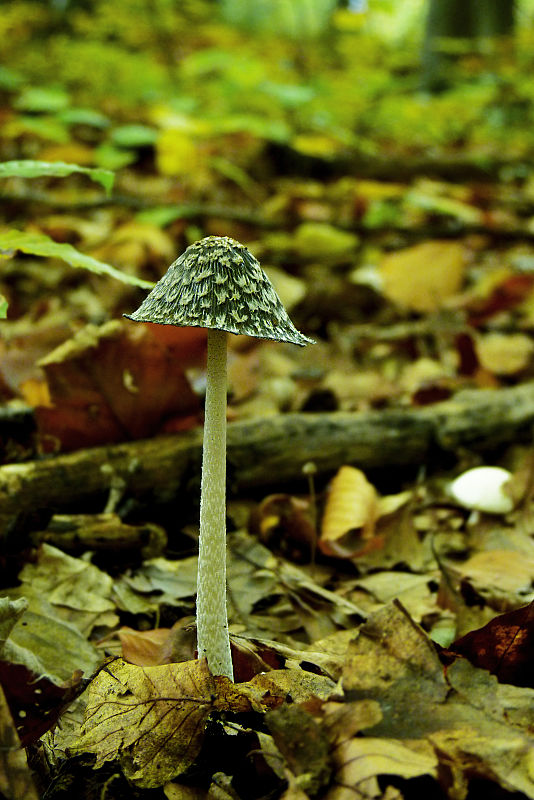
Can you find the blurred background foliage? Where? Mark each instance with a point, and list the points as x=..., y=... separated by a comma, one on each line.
x=320, y=77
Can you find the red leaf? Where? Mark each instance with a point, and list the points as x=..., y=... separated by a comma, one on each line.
x=119, y=382
x=505, y=647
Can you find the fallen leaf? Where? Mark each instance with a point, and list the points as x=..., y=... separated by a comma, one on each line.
x=112, y=383
x=352, y=504
x=504, y=354
x=360, y=761
x=152, y=719
x=464, y=721
x=503, y=578
x=143, y=648
x=36, y=697
x=285, y=524
x=421, y=277
x=76, y=587
x=505, y=646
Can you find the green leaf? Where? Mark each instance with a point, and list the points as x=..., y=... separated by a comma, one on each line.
x=56, y=169
x=37, y=244
x=39, y=99
x=133, y=136
x=3, y=307
x=84, y=116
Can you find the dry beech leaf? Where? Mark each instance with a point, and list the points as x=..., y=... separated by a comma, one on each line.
x=153, y=718
x=299, y=685
x=502, y=577
x=421, y=277
x=143, y=648
x=352, y=504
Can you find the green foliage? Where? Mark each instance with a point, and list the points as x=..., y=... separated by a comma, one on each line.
x=57, y=169
x=38, y=244
x=297, y=19
x=299, y=72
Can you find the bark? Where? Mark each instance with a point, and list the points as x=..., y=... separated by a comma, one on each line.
x=269, y=452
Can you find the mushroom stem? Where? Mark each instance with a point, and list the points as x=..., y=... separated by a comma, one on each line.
x=212, y=617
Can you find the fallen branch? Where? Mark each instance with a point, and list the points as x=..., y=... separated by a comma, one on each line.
x=270, y=451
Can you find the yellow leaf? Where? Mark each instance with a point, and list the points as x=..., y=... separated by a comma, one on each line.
x=504, y=354
x=352, y=504
x=421, y=277
x=316, y=144
x=176, y=153
x=319, y=240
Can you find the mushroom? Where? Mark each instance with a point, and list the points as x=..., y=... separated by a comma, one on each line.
x=217, y=284
x=483, y=489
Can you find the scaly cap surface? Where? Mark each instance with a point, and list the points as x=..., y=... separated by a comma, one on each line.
x=217, y=283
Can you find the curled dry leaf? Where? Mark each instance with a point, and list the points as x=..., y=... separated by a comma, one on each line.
x=352, y=504
x=503, y=578
x=360, y=761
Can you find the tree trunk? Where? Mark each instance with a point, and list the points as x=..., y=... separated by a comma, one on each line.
x=460, y=19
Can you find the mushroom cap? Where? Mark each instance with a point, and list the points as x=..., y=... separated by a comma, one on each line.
x=483, y=489
x=217, y=283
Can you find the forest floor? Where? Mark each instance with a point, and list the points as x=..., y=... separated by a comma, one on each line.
x=381, y=614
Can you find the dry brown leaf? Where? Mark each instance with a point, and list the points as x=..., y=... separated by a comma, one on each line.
x=421, y=277
x=361, y=759
x=352, y=504
x=295, y=684
x=502, y=577
x=143, y=648
x=475, y=727
x=152, y=719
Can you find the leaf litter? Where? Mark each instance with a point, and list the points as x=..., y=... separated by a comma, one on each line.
x=381, y=631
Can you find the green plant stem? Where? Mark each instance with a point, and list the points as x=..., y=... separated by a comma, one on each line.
x=212, y=618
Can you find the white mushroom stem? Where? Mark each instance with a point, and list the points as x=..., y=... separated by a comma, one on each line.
x=212, y=617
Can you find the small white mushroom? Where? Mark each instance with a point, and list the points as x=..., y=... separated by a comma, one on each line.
x=482, y=489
